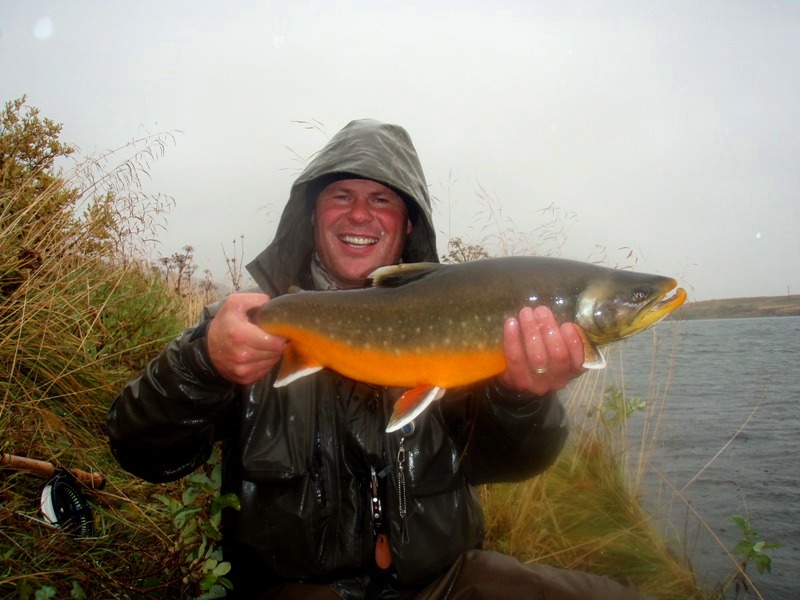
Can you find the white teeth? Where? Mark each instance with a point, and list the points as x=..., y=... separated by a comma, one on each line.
x=359, y=240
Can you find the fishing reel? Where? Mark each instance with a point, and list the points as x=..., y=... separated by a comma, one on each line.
x=63, y=505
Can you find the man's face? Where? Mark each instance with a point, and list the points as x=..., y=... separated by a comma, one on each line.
x=359, y=225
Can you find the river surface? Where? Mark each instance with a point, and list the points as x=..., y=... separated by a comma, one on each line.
x=722, y=424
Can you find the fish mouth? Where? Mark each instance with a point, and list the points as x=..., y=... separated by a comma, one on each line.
x=661, y=306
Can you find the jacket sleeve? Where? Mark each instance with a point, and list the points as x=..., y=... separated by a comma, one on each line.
x=504, y=435
x=164, y=423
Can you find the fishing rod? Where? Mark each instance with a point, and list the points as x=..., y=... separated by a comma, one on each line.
x=95, y=481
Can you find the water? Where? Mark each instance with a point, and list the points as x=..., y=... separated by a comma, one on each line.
x=728, y=391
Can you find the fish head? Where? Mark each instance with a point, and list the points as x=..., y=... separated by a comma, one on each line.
x=619, y=303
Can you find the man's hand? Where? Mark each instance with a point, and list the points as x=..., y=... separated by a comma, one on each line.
x=541, y=356
x=241, y=351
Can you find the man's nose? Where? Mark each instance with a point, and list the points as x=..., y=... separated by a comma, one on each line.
x=360, y=211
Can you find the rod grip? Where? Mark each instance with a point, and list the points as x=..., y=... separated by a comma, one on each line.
x=95, y=481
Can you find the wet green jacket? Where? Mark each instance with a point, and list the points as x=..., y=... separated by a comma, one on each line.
x=308, y=459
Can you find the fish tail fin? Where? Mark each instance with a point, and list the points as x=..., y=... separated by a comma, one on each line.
x=411, y=404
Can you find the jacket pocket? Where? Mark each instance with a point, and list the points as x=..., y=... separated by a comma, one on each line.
x=278, y=439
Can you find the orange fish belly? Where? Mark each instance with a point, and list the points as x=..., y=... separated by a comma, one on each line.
x=392, y=365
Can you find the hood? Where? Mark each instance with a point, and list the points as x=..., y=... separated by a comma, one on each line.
x=365, y=148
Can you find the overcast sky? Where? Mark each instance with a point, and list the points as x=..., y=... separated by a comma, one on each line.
x=670, y=129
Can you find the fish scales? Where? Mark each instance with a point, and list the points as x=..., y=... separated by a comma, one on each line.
x=442, y=310
x=391, y=336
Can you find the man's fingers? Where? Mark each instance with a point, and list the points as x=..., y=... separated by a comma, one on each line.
x=534, y=343
x=541, y=355
x=241, y=351
x=574, y=343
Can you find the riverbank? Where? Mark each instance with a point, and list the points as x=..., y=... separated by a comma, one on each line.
x=736, y=308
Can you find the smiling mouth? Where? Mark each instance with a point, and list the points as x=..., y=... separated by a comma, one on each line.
x=358, y=241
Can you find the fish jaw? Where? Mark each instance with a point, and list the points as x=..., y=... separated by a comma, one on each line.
x=660, y=307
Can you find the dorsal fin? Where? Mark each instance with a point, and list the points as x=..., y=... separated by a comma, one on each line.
x=397, y=275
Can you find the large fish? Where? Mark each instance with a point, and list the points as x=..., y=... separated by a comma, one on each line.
x=429, y=327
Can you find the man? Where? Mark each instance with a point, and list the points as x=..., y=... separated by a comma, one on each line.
x=332, y=505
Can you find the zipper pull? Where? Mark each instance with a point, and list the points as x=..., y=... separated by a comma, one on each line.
x=401, y=491
x=377, y=509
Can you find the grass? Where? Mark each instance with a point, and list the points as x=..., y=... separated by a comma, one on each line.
x=77, y=320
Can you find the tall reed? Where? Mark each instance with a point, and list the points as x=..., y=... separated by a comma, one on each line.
x=585, y=512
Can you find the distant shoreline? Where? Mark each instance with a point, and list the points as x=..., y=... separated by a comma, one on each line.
x=738, y=308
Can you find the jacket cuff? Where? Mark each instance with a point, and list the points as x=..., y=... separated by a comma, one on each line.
x=507, y=402
x=193, y=346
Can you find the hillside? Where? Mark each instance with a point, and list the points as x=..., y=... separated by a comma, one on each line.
x=764, y=306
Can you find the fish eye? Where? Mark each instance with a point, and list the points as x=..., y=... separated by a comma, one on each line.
x=639, y=296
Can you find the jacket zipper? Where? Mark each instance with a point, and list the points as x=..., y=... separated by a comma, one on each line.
x=321, y=495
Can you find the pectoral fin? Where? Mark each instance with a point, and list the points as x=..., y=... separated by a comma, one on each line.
x=592, y=356
x=294, y=366
x=411, y=404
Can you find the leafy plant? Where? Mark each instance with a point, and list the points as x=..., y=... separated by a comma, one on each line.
x=751, y=548
x=617, y=408
x=197, y=517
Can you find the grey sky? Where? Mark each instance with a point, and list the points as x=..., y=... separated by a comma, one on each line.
x=668, y=128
